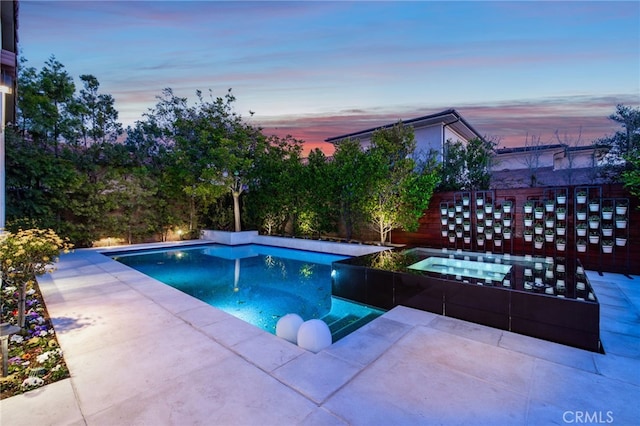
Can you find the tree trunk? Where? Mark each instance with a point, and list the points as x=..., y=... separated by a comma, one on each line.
x=236, y=209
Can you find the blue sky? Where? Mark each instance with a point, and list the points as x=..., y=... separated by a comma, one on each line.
x=322, y=69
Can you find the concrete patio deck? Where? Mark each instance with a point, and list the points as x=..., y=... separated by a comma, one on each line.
x=143, y=353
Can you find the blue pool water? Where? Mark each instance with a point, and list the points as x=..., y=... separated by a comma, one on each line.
x=258, y=284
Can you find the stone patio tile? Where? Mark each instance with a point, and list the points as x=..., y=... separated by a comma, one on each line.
x=403, y=388
x=202, y=315
x=489, y=363
x=469, y=330
x=360, y=347
x=385, y=328
x=108, y=376
x=620, y=344
x=106, y=322
x=317, y=376
x=618, y=367
x=226, y=391
x=231, y=331
x=550, y=351
x=321, y=417
x=267, y=351
x=410, y=316
x=54, y=404
x=570, y=389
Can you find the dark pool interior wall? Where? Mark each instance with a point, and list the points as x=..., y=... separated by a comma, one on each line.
x=543, y=297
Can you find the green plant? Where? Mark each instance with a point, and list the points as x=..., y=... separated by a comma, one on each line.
x=24, y=255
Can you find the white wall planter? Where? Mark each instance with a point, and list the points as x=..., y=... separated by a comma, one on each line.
x=621, y=224
x=594, y=239
x=581, y=248
x=607, y=249
x=581, y=215
x=582, y=232
x=621, y=242
x=607, y=232
x=607, y=215
x=581, y=199
x=621, y=210
x=594, y=207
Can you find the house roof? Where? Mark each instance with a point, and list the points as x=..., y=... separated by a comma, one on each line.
x=449, y=117
x=556, y=146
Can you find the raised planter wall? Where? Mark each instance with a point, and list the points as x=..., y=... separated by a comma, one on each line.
x=620, y=260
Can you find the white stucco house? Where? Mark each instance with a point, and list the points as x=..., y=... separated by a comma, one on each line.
x=431, y=131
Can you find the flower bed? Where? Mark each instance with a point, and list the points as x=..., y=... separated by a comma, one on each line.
x=35, y=358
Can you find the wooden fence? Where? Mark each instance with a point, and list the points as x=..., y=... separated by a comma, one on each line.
x=501, y=221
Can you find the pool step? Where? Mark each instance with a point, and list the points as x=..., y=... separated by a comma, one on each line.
x=342, y=326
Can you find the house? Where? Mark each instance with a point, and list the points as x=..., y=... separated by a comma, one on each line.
x=550, y=165
x=431, y=131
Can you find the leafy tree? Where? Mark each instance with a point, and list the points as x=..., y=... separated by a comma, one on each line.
x=622, y=147
x=402, y=188
x=453, y=171
x=352, y=171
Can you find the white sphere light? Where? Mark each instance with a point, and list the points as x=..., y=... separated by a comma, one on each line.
x=314, y=335
x=287, y=327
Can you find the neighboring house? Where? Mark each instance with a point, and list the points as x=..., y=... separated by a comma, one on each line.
x=431, y=131
x=550, y=165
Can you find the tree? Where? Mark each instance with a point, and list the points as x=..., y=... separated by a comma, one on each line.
x=454, y=170
x=352, y=171
x=401, y=187
x=623, y=146
x=467, y=166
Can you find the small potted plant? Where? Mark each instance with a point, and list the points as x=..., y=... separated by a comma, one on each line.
x=466, y=214
x=561, y=244
x=443, y=210
x=581, y=245
x=561, y=198
x=528, y=207
x=444, y=221
x=467, y=239
x=506, y=222
x=480, y=240
x=444, y=233
x=538, y=228
x=621, y=207
x=607, y=229
x=458, y=220
x=488, y=234
x=488, y=208
x=581, y=230
x=528, y=221
x=621, y=222
x=538, y=242
x=452, y=237
x=452, y=211
x=607, y=246
x=561, y=230
x=452, y=226
x=607, y=212
x=488, y=221
x=549, y=235
x=480, y=214
x=549, y=205
x=621, y=241
x=549, y=222
x=594, y=206
x=594, y=222
x=465, y=200
x=497, y=241
x=506, y=232
x=594, y=237
x=528, y=235
x=466, y=225
x=581, y=197
x=538, y=212
x=561, y=213
x=458, y=208
x=480, y=228
x=479, y=201
x=497, y=214
x=506, y=206
x=581, y=214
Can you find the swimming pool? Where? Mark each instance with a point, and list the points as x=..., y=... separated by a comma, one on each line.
x=258, y=284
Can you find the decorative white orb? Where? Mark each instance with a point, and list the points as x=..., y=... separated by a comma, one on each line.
x=287, y=327
x=314, y=335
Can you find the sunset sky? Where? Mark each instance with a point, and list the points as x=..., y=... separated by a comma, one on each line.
x=322, y=69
